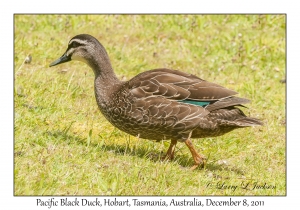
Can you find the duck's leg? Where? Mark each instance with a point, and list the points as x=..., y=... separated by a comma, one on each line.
x=199, y=159
x=171, y=150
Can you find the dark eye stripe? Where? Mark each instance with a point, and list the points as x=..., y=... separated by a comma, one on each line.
x=76, y=44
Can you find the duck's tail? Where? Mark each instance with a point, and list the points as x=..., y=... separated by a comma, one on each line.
x=234, y=117
x=248, y=121
x=227, y=102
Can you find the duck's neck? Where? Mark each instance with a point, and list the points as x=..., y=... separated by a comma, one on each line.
x=101, y=66
x=105, y=76
x=106, y=85
x=106, y=81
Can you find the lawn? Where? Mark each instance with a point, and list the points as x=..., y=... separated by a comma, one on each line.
x=64, y=146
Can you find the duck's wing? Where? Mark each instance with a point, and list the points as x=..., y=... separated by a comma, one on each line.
x=177, y=85
x=174, y=100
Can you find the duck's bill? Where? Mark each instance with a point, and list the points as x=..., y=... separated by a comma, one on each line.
x=62, y=59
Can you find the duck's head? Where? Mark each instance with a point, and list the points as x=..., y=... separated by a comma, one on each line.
x=85, y=48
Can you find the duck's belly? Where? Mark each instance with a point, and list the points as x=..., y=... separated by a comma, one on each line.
x=146, y=130
x=139, y=124
x=167, y=128
x=156, y=118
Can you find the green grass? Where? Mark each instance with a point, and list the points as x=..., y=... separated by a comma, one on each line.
x=64, y=146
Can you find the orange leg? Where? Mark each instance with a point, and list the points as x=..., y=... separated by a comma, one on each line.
x=170, y=152
x=199, y=159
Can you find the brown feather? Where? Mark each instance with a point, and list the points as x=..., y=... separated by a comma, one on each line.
x=176, y=85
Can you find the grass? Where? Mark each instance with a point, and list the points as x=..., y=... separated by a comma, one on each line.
x=64, y=146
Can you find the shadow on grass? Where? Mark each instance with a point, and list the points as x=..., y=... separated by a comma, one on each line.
x=184, y=161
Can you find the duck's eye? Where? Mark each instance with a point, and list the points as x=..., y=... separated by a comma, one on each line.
x=75, y=44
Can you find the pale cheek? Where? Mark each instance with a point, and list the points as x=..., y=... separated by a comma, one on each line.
x=78, y=58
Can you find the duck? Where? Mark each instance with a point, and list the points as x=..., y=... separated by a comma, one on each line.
x=160, y=104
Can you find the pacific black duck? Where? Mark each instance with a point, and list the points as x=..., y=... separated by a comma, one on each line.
x=161, y=103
